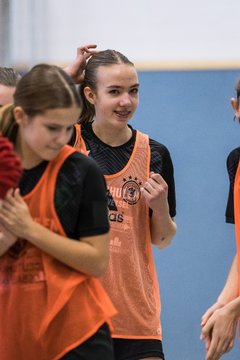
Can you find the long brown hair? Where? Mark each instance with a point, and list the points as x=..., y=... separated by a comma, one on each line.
x=102, y=58
x=43, y=88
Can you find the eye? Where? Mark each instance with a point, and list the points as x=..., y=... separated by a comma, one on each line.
x=114, y=92
x=134, y=91
x=52, y=128
x=69, y=128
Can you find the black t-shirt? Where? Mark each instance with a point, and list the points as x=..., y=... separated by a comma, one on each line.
x=232, y=165
x=80, y=195
x=113, y=159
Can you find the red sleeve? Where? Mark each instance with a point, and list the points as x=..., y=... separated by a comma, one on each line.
x=10, y=166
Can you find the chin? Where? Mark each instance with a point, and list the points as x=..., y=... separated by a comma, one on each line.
x=50, y=157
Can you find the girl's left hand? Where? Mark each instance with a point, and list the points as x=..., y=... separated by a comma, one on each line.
x=155, y=192
x=14, y=214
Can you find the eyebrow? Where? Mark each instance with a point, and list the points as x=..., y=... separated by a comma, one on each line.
x=59, y=125
x=120, y=87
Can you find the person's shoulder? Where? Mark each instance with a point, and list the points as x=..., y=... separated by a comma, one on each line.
x=78, y=169
x=232, y=162
x=81, y=159
x=86, y=132
x=234, y=156
x=159, y=147
x=235, y=153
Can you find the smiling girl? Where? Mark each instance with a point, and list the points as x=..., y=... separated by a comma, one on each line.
x=141, y=200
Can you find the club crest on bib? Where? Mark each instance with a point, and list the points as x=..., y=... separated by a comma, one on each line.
x=131, y=190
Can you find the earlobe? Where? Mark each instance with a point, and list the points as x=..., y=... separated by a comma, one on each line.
x=235, y=106
x=19, y=114
x=89, y=94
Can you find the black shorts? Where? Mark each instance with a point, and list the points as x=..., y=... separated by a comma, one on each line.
x=134, y=349
x=97, y=347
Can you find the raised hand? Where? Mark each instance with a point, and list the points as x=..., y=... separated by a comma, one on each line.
x=76, y=68
x=155, y=192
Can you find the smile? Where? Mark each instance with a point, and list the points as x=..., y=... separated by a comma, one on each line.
x=123, y=113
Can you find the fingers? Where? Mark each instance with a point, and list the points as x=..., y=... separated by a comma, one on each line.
x=217, y=348
x=206, y=316
x=18, y=197
x=207, y=328
x=86, y=49
x=11, y=202
x=219, y=333
x=8, y=202
x=207, y=342
x=230, y=346
x=157, y=178
x=150, y=185
x=13, y=196
x=210, y=312
x=155, y=185
x=155, y=192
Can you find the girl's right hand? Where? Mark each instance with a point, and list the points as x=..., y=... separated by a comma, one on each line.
x=210, y=311
x=76, y=69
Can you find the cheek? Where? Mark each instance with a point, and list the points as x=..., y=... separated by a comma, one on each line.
x=34, y=136
x=135, y=103
x=102, y=107
x=136, y=100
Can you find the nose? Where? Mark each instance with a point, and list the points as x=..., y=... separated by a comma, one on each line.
x=62, y=138
x=125, y=100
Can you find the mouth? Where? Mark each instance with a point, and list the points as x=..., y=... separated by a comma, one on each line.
x=123, y=113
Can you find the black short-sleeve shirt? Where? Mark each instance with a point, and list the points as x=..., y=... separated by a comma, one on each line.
x=80, y=196
x=232, y=165
x=113, y=159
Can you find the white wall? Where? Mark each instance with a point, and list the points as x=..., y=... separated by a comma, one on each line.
x=149, y=31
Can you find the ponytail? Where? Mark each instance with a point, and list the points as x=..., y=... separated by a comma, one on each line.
x=8, y=125
x=88, y=110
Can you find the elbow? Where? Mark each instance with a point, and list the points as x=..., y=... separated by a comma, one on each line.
x=101, y=267
x=166, y=239
x=163, y=242
x=100, y=271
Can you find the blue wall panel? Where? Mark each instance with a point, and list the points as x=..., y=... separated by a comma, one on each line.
x=189, y=112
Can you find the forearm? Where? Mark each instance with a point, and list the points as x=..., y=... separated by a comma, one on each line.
x=234, y=307
x=4, y=246
x=81, y=255
x=163, y=229
x=6, y=241
x=230, y=290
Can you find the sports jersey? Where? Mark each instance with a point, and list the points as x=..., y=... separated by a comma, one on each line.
x=237, y=217
x=131, y=279
x=232, y=165
x=76, y=196
x=112, y=159
x=47, y=308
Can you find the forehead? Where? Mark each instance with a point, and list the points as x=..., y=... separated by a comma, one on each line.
x=61, y=116
x=117, y=74
x=6, y=94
